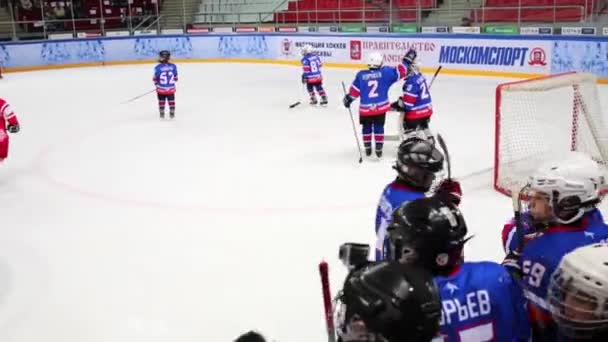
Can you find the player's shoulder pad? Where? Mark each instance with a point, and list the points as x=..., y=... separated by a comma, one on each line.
x=489, y=270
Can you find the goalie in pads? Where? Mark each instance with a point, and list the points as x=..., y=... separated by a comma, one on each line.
x=415, y=104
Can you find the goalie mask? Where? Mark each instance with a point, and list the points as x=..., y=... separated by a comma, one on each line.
x=428, y=233
x=578, y=293
x=564, y=191
x=417, y=163
x=389, y=302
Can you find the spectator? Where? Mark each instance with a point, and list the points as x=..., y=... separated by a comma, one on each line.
x=466, y=21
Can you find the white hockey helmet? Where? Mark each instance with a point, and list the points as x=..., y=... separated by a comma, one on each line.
x=572, y=184
x=375, y=60
x=578, y=292
x=306, y=49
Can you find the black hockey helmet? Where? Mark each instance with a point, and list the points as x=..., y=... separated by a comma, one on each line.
x=428, y=233
x=164, y=55
x=417, y=162
x=395, y=302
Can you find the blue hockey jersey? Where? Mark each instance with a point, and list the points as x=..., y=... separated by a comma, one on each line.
x=509, y=235
x=481, y=302
x=311, y=67
x=165, y=76
x=393, y=196
x=372, y=87
x=541, y=256
x=416, y=97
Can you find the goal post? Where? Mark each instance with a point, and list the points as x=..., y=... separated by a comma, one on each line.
x=542, y=118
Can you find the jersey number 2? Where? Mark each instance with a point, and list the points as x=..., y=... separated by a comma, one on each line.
x=167, y=77
x=373, y=88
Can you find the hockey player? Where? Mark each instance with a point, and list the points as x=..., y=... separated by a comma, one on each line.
x=416, y=102
x=480, y=300
x=569, y=192
x=372, y=87
x=165, y=76
x=418, y=162
x=578, y=294
x=8, y=122
x=388, y=302
x=311, y=75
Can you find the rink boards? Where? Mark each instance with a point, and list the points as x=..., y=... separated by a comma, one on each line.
x=460, y=54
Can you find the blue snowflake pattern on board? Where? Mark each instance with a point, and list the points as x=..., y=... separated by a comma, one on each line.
x=146, y=48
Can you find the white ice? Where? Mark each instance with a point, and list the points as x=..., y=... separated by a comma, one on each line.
x=119, y=227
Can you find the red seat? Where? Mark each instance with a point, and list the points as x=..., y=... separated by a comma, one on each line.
x=527, y=15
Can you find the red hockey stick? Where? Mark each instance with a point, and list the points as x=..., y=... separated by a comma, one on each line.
x=327, y=304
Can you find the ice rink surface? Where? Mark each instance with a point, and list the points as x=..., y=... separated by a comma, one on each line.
x=118, y=227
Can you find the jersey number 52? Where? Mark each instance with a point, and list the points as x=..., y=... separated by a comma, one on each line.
x=167, y=77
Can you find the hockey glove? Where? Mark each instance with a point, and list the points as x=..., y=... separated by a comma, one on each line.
x=511, y=264
x=410, y=57
x=303, y=79
x=348, y=99
x=449, y=191
x=13, y=128
x=398, y=106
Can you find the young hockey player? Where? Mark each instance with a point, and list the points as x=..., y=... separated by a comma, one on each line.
x=311, y=75
x=416, y=103
x=578, y=294
x=8, y=122
x=480, y=300
x=564, y=198
x=418, y=162
x=388, y=302
x=372, y=87
x=165, y=76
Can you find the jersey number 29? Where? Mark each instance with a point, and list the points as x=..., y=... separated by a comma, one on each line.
x=167, y=77
x=424, y=92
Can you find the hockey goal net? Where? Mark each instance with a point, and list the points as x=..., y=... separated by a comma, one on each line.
x=541, y=118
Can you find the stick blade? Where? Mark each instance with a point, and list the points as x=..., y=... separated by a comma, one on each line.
x=293, y=105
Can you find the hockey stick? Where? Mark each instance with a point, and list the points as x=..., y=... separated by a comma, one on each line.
x=327, y=304
x=297, y=103
x=444, y=147
x=435, y=76
x=519, y=228
x=352, y=120
x=140, y=96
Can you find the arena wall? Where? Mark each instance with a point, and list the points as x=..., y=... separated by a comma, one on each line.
x=461, y=54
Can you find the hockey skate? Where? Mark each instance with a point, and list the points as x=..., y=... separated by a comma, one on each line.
x=323, y=100
x=368, y=151
x=379, y=153
x=313, y=100
x=162, y=115
x=172, y=114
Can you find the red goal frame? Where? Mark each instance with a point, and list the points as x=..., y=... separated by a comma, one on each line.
x=498, y=114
